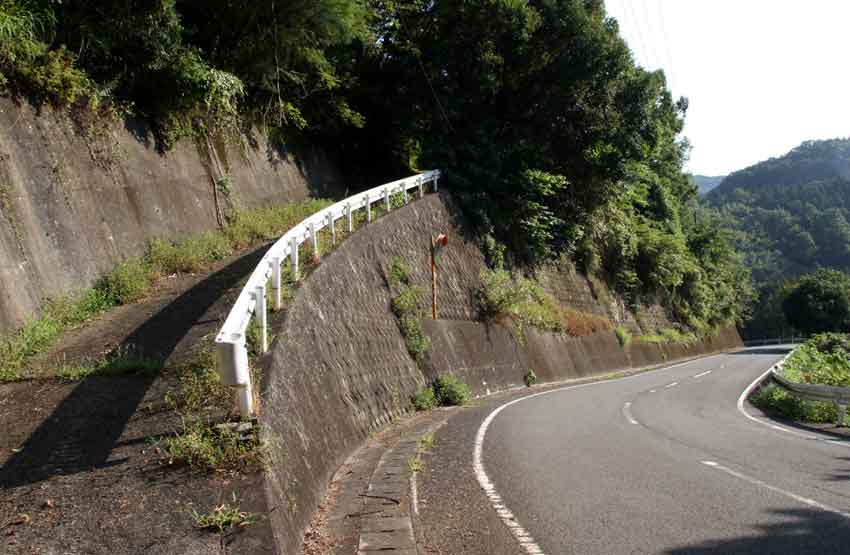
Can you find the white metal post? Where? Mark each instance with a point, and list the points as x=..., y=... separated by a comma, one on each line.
x=315, y=238
x=262, y=317
x=435, y=184
x=333, y=227
x=421, y=189
x=387, y=197
x=293, y=257
x=368, y=208
x=234, y=371
x=404, y=191
x=276, y=285
x=350, y=218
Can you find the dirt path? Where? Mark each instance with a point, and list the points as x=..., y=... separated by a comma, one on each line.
x=78, y=471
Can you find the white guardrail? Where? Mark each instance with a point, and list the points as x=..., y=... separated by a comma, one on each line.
x=814, y=392
x=231, y=342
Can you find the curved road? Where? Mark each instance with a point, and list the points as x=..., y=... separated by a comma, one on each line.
x=664, y=462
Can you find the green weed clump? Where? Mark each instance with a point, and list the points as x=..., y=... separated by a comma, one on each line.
x=189, y=255
x=129, y=282
x=408, y=308
x=527, y=303
x=203, y=446
x=449, y=390
x=425, y=399
x=623, y=336
x=530, y=378
x=223, y=517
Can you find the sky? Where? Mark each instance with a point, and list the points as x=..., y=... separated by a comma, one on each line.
x=761, y=76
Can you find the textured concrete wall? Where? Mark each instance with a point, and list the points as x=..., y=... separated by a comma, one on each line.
x=339, y=368
x=75, y=200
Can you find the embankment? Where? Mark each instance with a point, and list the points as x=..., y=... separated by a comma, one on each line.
x=75, y=198
x=339, y=368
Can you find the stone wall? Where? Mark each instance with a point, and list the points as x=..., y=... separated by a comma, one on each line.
x=339, y=368
x=75, y=199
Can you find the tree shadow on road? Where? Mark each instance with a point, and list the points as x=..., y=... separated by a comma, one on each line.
x=763, y=351
x=801, y=531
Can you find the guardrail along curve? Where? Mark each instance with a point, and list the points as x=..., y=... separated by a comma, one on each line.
x=231, y=342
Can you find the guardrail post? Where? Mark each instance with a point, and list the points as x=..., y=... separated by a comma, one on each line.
x=349, y=217
x=840, y=411
x=421, y=189
x=368, y=208
x=387, y=197
x=233, y=368
x=404, y=191
x=262, y=317
x=293, y=257
x=436, y=189
x=315, y=238
x=333, y=228
x=276, y=282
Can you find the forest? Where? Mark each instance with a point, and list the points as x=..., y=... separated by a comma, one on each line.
x=553, y=141
x=790, y=217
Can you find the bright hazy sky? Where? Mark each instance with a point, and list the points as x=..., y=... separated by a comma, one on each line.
x=762, y=76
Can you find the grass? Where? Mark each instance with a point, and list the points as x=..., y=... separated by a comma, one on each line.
x=123, y=362
x=133, y=279
x=223, y=517
x=199, y=386
x=526, y=302
x=623, y=336
x=203, y=446
x=415, y=464
x=425, y=443
x=407, y=305
x=669, y=335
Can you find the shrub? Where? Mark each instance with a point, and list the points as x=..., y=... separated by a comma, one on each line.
x=623, y=336
x=425, y=399
x=449, y=390
x=223, y=517
x=530, y=378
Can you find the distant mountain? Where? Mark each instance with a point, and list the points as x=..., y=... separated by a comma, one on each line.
x=792, y=212
x=706, y=183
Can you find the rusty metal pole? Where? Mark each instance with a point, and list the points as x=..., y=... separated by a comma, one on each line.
x=433, y=279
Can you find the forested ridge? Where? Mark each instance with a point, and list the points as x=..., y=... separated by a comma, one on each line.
x=792, y=212
x=553, y=141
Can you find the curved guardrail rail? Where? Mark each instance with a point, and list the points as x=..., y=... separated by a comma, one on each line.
x=231, y=343
x=814, y=392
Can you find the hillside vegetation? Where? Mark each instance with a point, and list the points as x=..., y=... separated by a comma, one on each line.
x=792, y=212
x=553, y=141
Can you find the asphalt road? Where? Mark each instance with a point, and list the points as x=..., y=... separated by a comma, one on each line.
x=664, y=462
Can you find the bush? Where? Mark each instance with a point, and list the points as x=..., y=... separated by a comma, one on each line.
x=530, y=378
x=775, y=400
x=425, y=399
x=822, y=359
x=449, y=390
x=623, y=336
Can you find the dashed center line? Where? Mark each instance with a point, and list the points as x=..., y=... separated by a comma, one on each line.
x=627, y=412
x=674, y=384
x=794, y=496
x=701, y=374
x=652, y=391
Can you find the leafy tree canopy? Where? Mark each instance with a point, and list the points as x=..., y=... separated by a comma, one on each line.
x=819, y=302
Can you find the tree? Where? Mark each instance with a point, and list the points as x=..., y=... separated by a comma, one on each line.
x=819, y=302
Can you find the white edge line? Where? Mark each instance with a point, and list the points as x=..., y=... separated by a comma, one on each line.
x=522, y=536
x=701, y=374
x=669, y=385
x=786, y=493
x=627, y=412
x=742, y=410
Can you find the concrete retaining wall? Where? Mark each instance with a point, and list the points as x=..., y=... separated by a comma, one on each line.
x=75, y=200
x=339, y=368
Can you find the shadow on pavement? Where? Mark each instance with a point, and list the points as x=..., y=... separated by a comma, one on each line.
x=801, y=531
x=778, y=350
x=84, y=428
